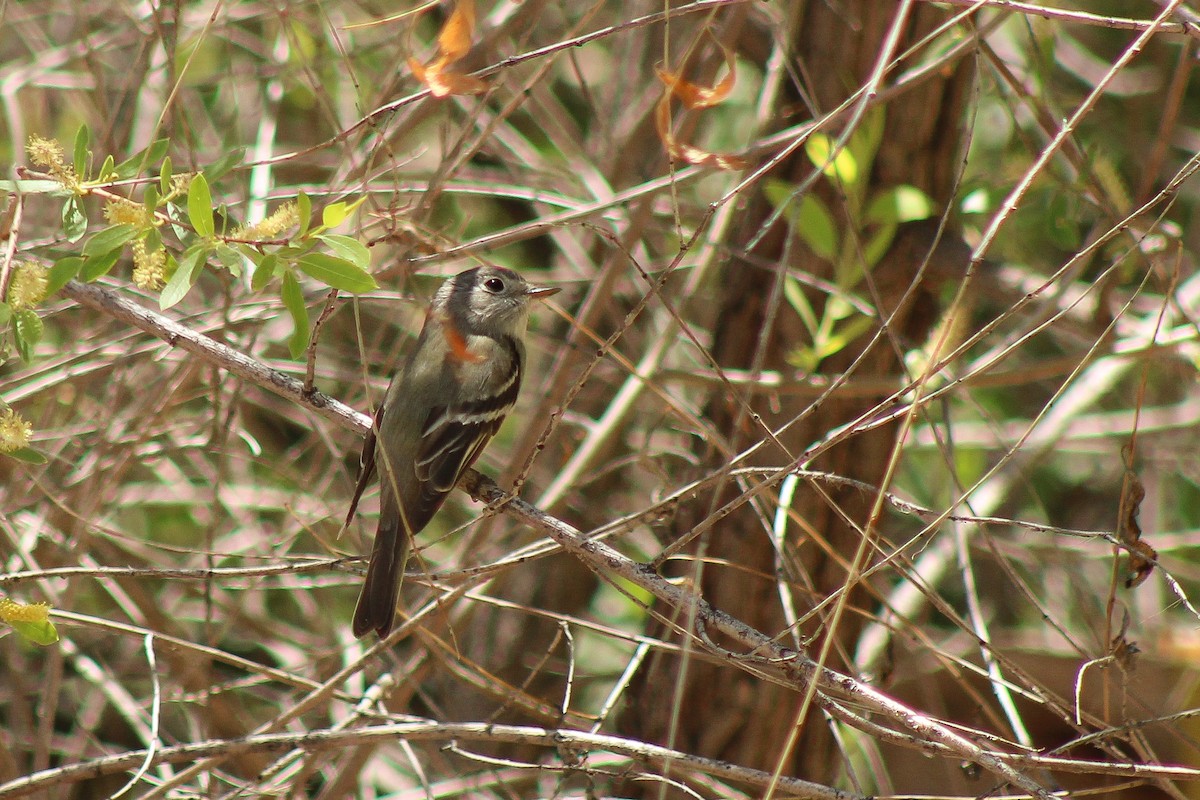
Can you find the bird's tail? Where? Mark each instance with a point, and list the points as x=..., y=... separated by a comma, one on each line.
x=376, y=610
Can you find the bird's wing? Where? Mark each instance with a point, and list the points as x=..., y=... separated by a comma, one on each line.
x=454, y=435
x=366, y=464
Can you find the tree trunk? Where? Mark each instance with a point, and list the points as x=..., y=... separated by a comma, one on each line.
x=724, y=712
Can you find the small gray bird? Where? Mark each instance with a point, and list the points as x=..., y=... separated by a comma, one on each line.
x=438, y=414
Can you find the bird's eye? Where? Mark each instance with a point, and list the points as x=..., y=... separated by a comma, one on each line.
x=494, y=285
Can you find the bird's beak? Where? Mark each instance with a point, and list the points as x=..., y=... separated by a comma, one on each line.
x=542, y=292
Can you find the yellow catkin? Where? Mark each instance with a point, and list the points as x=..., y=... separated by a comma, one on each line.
x=15, y=432
x=12, y=611
x=149, y=267
x=28, y=286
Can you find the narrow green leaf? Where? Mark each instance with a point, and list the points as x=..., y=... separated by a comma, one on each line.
x=816, y=227
x=27, y=455
x=63, y=270
x=98, y=266
x=157, y=150
x=40, y=633
x=82, y=137
x=27, y=332
x=336, y=272
x=150, y=198
x=217, y=170
x=864, y=142
x=5, y=313
x=899, y=204
x=776, y=191
x=230, y=259
x=107, y=169
x=264, y=270
x=808, y=214
x=348, y=248
x=164, y=178
x=199, y=204
x=879, y=242
x=304, y=211
x=335, y=214
x=144, y=158
x=74, y=221
x=841, y=166
x=53, y=188
x=793, y=292
x=293, y=299
x=109, y=240
x=976, y=202
x=184, y=277
x=153, y=240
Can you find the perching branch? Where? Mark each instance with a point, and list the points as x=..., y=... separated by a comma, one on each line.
x=212, y=351
x=760, y=654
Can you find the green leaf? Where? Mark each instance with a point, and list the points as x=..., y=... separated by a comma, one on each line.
x=157, y=150
x=840, y=166
x=793, y=292
x=199, y=205
x=107, y=169
x=5, y=313
x=150, y=198
x=164, y=178
x=777, y=191
x=336, y=272
x=899, y=204
x=42, y=633
x=98, y=266
x=217, y=170
x=230, y=259
x=293, y=299
x=335, y=214
x=847, y=333
x=63, y=270
x=808, y=215
x=304, y=211
x=27, y=332
x=877, y=246
x=143, y=158
x=816, y=227
x=82, y=137
x=976, y=202
x=264, y=270
x=153, y=240
x=864, y=142
x=27, y=455
x=53, y=188
x=74, y=221
x=184, y=277
x=109, y=240
x=348, y=248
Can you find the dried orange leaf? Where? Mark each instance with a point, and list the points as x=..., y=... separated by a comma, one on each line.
x=687, y=153
x=441, y=82
x=695, y=95
x=1142, y=558
x=456, y=83
x=454, y=40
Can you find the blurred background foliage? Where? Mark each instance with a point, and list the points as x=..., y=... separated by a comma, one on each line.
x=722, y=321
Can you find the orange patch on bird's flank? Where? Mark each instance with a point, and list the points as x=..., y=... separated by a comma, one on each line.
x=459, y=350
